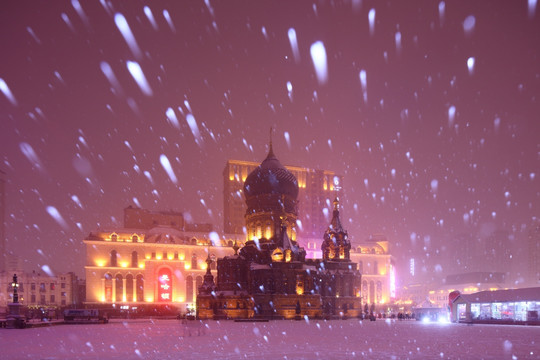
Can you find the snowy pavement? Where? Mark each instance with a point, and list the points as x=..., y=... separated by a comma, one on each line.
x=338, y=339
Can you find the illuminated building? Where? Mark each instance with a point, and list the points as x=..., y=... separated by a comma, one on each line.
x=37, y=290
x=159, y=260
x=316, y=190
x=533, y=254
x=514, y=306
x=465, y=283
x=270, y=277
x=2, y=221
x=377, y=268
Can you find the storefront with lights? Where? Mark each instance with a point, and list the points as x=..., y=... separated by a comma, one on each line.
x=501, y=306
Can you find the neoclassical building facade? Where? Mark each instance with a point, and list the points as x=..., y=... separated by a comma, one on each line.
x=159, y=262
x=378, y=271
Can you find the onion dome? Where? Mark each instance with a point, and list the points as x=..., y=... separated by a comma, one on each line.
x=270, y=177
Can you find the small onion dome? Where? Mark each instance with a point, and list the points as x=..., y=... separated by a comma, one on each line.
x=271, y=178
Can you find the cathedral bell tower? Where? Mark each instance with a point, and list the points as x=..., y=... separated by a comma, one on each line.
x=336, y=245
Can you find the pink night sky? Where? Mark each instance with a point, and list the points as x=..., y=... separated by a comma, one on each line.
x=430, y=110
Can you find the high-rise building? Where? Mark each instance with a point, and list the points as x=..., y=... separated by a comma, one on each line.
x=533, y=253
x=2, y=220
x=316, y=191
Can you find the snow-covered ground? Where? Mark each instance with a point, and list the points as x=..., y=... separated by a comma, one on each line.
x=338, y=339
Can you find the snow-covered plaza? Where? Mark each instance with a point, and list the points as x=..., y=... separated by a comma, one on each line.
x=337, y=339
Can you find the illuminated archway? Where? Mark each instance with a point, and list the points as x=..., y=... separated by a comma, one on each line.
x=189, y=289
x=140, y=287
x=119, y=294
x=129, y=287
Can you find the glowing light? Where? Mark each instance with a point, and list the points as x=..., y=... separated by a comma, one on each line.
x=182, y=257
x=148, y=256
x=159, y=256
x=149, y=299
x=165, y=287
x=124, y=264
x=100, y=263
x=187, y=266
x=180, y=299
x=287, y=255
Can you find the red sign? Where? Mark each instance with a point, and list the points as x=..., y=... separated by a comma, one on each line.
x=164, y=285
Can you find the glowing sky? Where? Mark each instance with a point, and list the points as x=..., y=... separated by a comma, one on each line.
x=429, y=109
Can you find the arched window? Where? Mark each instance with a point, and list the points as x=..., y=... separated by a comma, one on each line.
x=194, y=261
x=189, y=289
x=268, y=231
x=119, y=288
x=258, y=233
x=108, y=288
x=114, y=237
x=129, y=288
x=277, y=255
x=365, y=291
x=288, y=255
x=140, y=287
x=134, y=238
x=198, y=283
x=371, y=292
x=193, y=241
x=134, y=259
x=114, y=258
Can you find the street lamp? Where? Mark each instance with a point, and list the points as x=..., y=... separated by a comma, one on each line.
x=15, y=287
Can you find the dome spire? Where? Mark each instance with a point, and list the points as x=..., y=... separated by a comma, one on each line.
x=271, y=150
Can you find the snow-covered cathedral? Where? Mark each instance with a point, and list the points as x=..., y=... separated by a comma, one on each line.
x=270, y=277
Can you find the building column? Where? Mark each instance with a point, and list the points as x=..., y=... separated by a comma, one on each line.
x=124, y=280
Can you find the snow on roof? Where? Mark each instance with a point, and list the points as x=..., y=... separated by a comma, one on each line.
x=526, y=294
x=255, y=266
